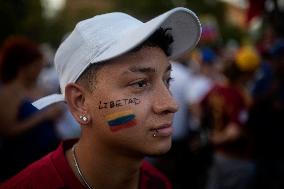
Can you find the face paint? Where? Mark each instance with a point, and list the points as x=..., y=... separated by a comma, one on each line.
x=121, y=119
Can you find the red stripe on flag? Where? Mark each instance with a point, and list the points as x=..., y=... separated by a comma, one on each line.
x=125, y=125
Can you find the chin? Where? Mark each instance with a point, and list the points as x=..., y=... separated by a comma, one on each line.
x=160, y=149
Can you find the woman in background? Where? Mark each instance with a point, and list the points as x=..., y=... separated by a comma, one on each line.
x=25, y=133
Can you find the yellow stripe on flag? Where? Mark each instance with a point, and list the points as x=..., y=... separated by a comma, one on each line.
x=118, y=114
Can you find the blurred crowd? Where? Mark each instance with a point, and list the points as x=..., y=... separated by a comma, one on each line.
x=228, y=132
x=229, y=129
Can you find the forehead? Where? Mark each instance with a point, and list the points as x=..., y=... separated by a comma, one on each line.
x=152, y=57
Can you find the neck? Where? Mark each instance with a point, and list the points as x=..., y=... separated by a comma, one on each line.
x=106, y=170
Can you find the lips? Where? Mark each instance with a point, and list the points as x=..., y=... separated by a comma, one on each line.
x=163, y=131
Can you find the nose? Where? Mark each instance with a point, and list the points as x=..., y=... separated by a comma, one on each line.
x=164, y=102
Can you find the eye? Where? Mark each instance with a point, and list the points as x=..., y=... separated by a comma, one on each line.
x=168, y=81
x=140, y=84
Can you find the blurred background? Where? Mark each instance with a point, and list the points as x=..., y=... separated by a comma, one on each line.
x=228, y=19
x=228, y=133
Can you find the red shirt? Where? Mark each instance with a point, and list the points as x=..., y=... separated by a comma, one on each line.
x=224, y=105
x=53, y=171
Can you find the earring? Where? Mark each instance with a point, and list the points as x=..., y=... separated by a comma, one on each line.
x=84, y=118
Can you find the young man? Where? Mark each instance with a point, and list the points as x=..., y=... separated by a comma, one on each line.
x=114, y=75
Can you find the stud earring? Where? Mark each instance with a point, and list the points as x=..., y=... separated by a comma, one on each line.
x=84, y=118
x=155, y=133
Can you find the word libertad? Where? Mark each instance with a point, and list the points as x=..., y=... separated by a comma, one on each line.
x=118, y=103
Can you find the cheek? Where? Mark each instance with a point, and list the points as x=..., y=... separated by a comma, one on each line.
x=119, y=114
x=121, y=120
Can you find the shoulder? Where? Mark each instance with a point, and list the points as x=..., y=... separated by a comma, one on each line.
x=10, y=104
x=41, y=174
x=5, y=97
x=50, y=172
x=151, y=177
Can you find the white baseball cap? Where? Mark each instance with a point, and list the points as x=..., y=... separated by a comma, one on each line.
x=110, y=35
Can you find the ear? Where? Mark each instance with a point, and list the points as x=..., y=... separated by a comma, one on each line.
x=75, y=96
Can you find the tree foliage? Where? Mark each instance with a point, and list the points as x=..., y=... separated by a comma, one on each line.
x=26, y=16
x=21, y=17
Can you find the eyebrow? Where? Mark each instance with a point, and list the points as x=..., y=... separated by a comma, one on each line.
x=138, y=69
x=142, y=69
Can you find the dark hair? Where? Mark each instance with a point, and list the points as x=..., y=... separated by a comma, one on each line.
x=160, y=38
x=232, y=71
x=16, y=53
x=277, y=49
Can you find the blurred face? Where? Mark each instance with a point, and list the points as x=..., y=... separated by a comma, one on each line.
x=131, y=107
x=32, y=71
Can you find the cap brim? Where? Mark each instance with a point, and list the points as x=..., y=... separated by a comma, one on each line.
x=48, y=100
x=185, y=30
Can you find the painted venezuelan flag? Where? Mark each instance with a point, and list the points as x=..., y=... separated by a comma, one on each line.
x=120, y=120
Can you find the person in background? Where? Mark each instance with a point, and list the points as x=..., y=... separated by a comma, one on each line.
x=25, y=133
x=225, y=113
x=266, y=119
x=66, y=126
x=204, y=75
x=115, y=74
